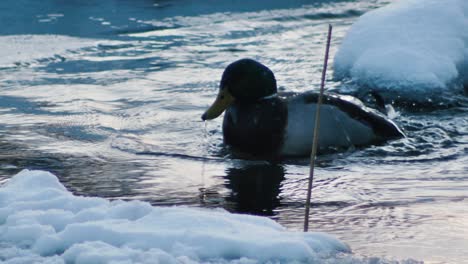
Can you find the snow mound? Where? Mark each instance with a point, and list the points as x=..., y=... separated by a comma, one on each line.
x=42, y=222
x=409, y=48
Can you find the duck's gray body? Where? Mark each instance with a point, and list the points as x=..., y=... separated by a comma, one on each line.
x=283, y=125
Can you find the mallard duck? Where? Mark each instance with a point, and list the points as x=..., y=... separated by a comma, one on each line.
x=260, y=121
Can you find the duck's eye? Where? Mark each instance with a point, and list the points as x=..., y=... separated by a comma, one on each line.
x=221, y=97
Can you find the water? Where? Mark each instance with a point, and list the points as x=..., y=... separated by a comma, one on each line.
x=108, y=96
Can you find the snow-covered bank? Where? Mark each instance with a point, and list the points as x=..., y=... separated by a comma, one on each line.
x=42, y=222
x=410, y=48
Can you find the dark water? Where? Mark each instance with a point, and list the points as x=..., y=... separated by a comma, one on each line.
x=108, y=96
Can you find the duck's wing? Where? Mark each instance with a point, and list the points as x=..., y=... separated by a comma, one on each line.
x=354, y=108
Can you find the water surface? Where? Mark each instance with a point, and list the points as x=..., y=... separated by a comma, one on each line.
x=108, y=96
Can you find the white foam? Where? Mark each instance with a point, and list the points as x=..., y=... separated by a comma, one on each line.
x=410, y=47
x=42, y=222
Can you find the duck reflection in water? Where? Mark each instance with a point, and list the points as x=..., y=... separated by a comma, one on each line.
x=255, y=188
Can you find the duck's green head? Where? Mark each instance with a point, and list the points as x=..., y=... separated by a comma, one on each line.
x=245, y=80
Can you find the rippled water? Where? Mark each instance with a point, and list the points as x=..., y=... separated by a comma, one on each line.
x=108, y=96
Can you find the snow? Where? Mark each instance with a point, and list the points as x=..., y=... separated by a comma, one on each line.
x=411, y=48
x=42, y=222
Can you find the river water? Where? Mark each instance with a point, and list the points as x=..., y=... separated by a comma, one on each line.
x=108, y=96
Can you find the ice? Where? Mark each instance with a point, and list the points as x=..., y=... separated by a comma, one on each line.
x=42, y=222
x=410, y=48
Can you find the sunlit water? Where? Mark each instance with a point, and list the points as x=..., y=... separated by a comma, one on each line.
x=108, y=96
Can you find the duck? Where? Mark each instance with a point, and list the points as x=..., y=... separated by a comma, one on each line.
x=260, y=121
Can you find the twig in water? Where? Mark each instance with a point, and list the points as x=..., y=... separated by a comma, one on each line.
x=316, y=130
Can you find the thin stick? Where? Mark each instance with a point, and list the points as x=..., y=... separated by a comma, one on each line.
x=316, y=131
x=205, y=143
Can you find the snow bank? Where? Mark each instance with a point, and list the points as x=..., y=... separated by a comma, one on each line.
x=41, y=222
x=410, y=47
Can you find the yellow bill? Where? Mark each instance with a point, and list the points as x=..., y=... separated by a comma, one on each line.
x=223, y=101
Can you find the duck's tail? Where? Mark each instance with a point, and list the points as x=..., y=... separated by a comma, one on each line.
x=379, y=101
x=386, y=109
